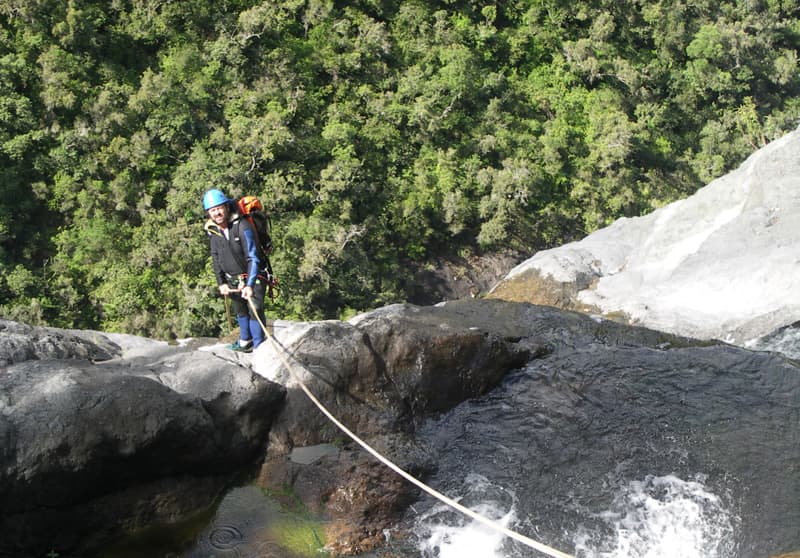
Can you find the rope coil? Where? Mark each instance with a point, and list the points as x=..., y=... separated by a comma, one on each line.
x=543, y=548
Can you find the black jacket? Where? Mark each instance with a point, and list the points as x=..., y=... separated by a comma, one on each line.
x=235, y=255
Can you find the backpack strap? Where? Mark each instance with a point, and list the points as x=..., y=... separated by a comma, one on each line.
x=235, y=227
x=212, y=228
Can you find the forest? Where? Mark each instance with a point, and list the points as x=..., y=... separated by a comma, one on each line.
x=380, y=134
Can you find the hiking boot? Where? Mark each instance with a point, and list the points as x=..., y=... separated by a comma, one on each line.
x=242, y=347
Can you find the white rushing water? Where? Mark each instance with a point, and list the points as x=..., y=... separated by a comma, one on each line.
x=663, y=517
x=659, y=517
x=461, y=541
x=448, y=534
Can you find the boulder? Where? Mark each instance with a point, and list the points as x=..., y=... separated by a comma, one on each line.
x=96, y=442
x=378, y=374
x=380, y=371
x=631, y=401
x=383, y=373
x=720, y=264
x=21, y=342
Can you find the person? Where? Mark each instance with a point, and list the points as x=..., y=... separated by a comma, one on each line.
x=238, y=266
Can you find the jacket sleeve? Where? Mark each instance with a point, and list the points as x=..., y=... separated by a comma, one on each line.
x=213, y=248
x=250, y=248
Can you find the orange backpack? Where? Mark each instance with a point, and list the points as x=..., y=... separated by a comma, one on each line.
x=251, y=208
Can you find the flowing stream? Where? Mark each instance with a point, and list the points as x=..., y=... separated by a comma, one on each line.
x=659, y=517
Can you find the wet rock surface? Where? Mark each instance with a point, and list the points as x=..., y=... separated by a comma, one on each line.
x=595, y=406
x=560, y=406
x=93, y=442
x=578, y=426
x=379, y=374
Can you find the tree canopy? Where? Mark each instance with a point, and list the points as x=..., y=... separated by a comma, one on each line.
x=379, y=133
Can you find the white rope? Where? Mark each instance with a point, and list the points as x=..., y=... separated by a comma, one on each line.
x=436, y=494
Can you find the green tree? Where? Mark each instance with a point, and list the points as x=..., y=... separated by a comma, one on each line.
x=381, y=135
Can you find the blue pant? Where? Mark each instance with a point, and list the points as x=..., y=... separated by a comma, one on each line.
x=249, y=328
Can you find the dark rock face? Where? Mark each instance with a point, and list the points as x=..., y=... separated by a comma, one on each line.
x=153, y=432
x=378, y=374
x=435, y=360
x=457, y=277
x=381, y=371
x=590, y=403
x=88, y=449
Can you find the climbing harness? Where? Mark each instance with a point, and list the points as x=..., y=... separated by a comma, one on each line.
x=267, y=276
x=543, y=548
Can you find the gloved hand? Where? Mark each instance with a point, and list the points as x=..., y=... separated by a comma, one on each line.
x=226, y=289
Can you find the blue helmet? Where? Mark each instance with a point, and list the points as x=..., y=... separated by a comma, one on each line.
x=213, y=198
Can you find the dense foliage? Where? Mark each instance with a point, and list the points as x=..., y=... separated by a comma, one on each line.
x=381, y=133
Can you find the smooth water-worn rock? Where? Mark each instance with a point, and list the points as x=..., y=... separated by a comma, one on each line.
x=593, y=407
x=381, y=370
x=608, y=410
x=21, y=342
x=556, y=412
x=720, y=264
x=93, y=442
x=379, y=374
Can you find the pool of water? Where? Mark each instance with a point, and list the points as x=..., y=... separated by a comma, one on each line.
x=247, y=523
